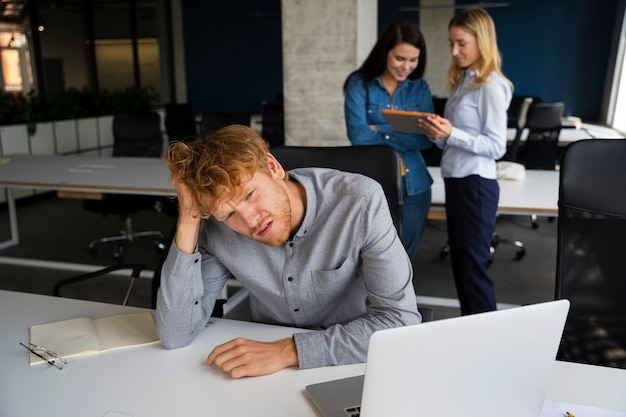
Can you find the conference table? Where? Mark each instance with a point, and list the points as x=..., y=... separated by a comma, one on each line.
x=88, y=176
x=537, y=193
x=81, y=177
x=150, y=381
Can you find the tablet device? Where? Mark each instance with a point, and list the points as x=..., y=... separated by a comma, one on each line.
x=406, y=121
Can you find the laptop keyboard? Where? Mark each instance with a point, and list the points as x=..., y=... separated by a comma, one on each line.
x=354, y=411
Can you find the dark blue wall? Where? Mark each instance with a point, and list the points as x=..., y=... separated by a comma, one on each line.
x=233, y=54
x=555, y=49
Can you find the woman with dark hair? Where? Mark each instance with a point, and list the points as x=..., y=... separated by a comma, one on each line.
x=472, y=136
x=391, y=78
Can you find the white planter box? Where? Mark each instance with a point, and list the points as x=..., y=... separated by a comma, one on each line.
x=87, y=133
x=65, y=134
x=105, y=128
x=42, y=142
x=14, y=139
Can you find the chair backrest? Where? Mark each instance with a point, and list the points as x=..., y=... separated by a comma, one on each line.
x=180, y=121
x=211, y=121
x=518, y=113
x=540, y=150
x=379, y=162
x=273, y=119
x=137, y=134
x=591, y=251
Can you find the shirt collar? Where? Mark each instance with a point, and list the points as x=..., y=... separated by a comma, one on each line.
x=310, y=212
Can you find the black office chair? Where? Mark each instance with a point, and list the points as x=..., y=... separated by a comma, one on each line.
x=135, y=273
x=212, y=121
x=591, y=255
x=273, y=119
x=540, y=149
x=180, y=121
x=379, y=162
x=134, y=134
x=517, y=117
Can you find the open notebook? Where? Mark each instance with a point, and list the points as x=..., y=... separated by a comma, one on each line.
x=84, y=336
x=485, y=365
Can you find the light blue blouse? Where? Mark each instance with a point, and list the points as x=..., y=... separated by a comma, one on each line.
x=479, y=123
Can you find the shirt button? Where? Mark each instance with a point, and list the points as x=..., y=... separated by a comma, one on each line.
x=195, y=261
x=387, y=137
x=296, y=310
x=291, y=244
x=290, y=279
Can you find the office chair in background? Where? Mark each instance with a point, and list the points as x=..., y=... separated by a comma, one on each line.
x=273, y=123
x=135, y=270
x=379, y=162
x=180, y=121
x=212, y=121
x=591, y=255
x=136, y=135
x=518, y=113
x=540, y=149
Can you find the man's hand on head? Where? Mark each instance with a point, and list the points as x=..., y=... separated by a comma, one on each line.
x=242, y=357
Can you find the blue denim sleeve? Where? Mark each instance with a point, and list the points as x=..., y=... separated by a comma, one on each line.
x=358, y=120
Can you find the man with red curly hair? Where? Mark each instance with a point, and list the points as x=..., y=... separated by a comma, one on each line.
x=315, y=247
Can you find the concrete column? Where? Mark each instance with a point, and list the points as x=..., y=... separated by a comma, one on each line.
x=323, y=41
x=434, y=18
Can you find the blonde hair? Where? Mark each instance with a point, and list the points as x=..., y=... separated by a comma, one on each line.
x=477, y=22
x=215, y=165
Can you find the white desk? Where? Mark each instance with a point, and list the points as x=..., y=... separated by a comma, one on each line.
x=81, y=174
x=150, y=381
x=537, y=194
x=570, y=134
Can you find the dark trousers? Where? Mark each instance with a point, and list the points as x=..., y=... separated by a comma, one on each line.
x=471, y=205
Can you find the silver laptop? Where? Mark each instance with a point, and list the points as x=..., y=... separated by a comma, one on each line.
x=485, y=365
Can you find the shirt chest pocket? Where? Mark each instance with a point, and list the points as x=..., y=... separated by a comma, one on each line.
x=331, y=287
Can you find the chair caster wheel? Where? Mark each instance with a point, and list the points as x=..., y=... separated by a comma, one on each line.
x=118, y=254
x=520, y=254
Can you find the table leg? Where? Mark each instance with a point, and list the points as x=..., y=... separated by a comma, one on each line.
x=14, y=240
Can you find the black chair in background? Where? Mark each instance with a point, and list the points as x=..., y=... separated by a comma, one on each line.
x=212, y=121
x=518, y=113
x=135, y=273
x=540, y=149
x=180, y=121
x=273, y=122
x=134, y=135
x=379, y=162
x=591, y=254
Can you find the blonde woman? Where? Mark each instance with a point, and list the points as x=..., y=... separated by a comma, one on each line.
x=472, y=134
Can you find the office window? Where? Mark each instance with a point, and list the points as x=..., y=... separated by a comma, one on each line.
x=617, y=102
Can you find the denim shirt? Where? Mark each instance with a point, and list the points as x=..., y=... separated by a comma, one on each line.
x=362, y=106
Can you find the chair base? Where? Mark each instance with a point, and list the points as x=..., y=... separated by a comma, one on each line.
x=495, y=241
x=154, y=236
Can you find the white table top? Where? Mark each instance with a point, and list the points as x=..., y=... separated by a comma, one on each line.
x=570, y=134
x=87, y=174
x=537, y=194
x=150, y=381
